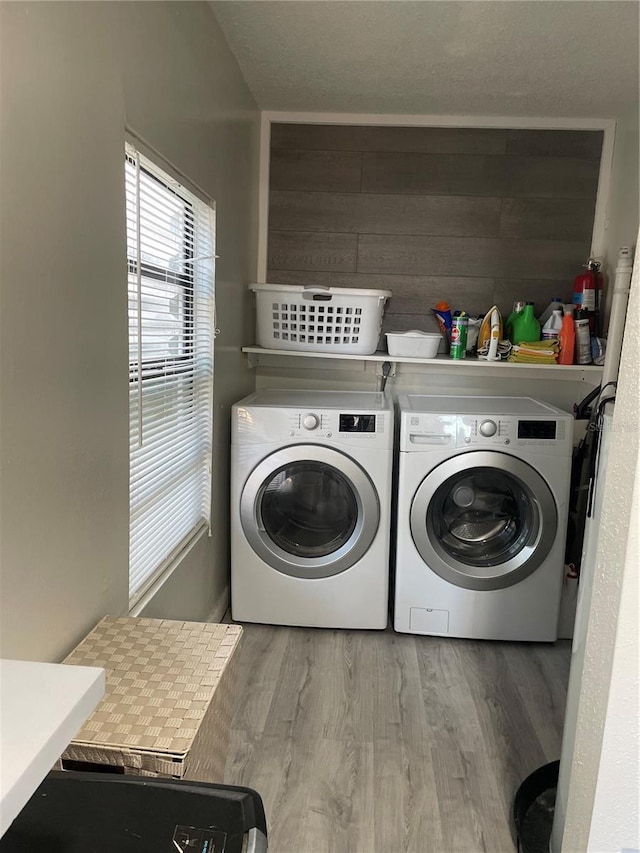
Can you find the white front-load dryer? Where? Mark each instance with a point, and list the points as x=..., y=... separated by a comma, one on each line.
x=310, y=508
x=483, y=490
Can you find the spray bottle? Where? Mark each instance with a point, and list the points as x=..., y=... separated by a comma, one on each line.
x=442, y=312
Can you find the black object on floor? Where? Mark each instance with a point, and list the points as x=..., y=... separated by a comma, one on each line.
x=534, y=807
x=98, y=813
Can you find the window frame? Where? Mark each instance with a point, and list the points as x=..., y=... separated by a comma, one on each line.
x=195, y=277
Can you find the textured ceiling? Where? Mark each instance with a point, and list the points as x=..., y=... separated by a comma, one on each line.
x=575, y=58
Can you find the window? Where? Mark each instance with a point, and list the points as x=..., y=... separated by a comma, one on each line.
x=170, y=263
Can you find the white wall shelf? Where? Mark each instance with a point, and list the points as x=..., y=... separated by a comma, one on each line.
x=259, y=356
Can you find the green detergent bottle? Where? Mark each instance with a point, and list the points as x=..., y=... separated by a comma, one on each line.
x=518, y=308
x=526, y=328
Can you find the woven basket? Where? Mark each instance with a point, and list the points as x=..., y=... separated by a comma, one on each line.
x=168, y=700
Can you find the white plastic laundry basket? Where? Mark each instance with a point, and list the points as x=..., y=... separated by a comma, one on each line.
x=319, y=319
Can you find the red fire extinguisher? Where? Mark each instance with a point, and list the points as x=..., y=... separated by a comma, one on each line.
x=587, y=293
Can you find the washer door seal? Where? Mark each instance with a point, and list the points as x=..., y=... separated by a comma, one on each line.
x=309, y=511
x=483, y=520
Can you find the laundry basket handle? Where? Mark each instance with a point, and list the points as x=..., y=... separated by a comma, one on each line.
x=317, y=292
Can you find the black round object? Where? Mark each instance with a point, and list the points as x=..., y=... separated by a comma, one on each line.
x=534, y=807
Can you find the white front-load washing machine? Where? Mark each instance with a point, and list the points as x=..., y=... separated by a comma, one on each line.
x=310, y=508
x=483, y=490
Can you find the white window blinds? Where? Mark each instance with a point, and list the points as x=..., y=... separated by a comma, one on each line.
x=170, y=262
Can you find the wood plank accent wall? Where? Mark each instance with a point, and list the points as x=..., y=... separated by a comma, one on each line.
x=474, y=216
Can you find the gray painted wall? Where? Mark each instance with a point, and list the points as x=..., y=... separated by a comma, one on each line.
x=72, y=75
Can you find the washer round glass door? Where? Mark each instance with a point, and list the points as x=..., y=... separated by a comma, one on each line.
x=309, y=511
x=483, y=520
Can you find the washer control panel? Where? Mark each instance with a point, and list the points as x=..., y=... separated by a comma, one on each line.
x=359, y=426
x=366, y=425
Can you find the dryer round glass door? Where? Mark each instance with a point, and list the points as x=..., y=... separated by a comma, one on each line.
x=483, y=520
x=309, y=511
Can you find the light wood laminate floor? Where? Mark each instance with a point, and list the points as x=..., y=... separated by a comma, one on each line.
x=377, y=742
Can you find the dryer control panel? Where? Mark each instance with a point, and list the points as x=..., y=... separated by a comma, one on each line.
x=495, y=431
x=425, y=432
x=484, y=431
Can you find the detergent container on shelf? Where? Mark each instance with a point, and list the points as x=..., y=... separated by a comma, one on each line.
x=525, y=326
x=567, y=337
x=518, y=307
x=551, y=328
x=555, y=305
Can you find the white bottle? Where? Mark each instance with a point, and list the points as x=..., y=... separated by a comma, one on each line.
x=551, y=328
x=555, y=303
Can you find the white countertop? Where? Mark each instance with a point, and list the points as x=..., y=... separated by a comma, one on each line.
x=42, y=707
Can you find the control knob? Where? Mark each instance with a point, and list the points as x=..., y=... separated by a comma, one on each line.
x=488, y=428
x=310, y=421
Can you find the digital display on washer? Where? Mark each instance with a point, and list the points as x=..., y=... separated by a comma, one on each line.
x=537, y=429
x=357, y=423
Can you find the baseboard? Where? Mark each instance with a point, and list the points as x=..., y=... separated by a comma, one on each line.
x=222, y=605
